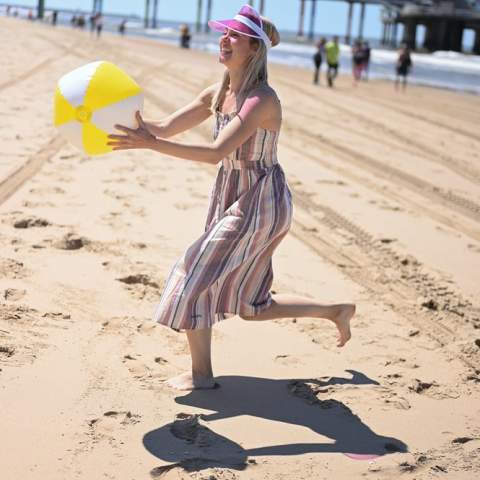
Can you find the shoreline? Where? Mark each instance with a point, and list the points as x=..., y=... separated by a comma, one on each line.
x=430, y=69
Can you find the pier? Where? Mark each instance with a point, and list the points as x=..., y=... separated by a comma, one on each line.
x=444, y=20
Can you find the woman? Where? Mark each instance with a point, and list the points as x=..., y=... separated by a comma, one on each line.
x=317, y=59
x=403, y=66
x=228, y=270
x=358, y=62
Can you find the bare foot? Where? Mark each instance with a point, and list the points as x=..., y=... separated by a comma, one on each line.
x=342, y=321
x=187, y=381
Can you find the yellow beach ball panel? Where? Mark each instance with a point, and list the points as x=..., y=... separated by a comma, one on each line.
x=90, y=100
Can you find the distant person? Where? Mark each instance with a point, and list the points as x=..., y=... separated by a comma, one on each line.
x=122, y=27
x=8, y=10
x=30, y=15
x=332, y=50
x=15, y=13
x=366, y=61
x=358, y=61
x=73, y=21
x=99, y=24
x=317, y=59
x=403, y=66
x=185, y=36
x=81, y=22
x=91, y=22
x=54, y=17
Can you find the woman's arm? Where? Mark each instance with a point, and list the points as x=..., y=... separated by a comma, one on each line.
x=186, y=117
x=258, y=109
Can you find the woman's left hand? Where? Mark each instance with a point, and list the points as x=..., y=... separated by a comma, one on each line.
x=133, y=138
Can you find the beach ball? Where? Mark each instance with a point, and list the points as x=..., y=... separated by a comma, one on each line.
x=90, y=100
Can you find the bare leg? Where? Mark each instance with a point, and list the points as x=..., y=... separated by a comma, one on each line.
x=201, y=375
x=289, y=306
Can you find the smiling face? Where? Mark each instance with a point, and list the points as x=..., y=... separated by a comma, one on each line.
x=235, y=49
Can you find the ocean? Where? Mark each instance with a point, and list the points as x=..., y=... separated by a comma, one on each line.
x=447, y=70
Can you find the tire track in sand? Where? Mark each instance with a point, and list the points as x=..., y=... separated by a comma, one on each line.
x=449, y=199
x=457, y=203
x=463, y=169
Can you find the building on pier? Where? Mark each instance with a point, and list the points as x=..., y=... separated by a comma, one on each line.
x=444, y=21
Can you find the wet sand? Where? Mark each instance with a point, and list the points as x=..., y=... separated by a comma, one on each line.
x=387, y=214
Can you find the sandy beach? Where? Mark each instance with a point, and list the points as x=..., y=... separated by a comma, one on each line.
x=387, y=215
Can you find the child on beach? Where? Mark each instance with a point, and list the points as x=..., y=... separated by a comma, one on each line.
x=228, y=270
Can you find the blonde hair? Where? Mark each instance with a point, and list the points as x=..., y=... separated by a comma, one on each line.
x=256, y=70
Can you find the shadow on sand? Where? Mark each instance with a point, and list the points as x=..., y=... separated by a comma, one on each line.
x=189, y=443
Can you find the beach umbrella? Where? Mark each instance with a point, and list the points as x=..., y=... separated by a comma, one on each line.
x=90, y=100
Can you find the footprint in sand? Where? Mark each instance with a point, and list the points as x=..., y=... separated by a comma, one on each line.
x=156, y=369
x=10, y=268
x=29, y=222
x=141, y=286
x=71, y=241
x=195, y=451
x=111, y=422
x=13, y=294
x=185, y=206
x=118, y=195
x=332, y=182
x=6, y=351
x=287, y=359
x=47, y=190
x=115, y=180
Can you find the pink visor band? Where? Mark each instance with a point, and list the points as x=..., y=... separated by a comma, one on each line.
x=243, y=25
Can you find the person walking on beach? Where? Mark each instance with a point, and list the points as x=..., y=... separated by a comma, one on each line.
x=403, y=66
x=358, y=61
x=122, y=27
x=91, y=21
x=185, y=36
x=99, y=24
x=366, y=59
x=227, y=271
x=333, y=53
x=317, y=59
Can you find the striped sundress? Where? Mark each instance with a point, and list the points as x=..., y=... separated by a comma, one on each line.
x=228, y=270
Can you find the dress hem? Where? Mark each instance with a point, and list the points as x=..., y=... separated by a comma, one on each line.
x=221, y=316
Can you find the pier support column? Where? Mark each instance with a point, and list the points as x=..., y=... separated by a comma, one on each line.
x=454, y=36
x=383, y=41
x=361, y=21
x=311, y=31
x=300, y=20
x=410, y=34
x=154, y=14
x=208, y=15
x=348, y=35
x=147, y=13
x=393, y=39
x=261, y=8
x=435, y=36
x=40, y=8
x=198, y=23
x=476, y=43
x=429, y=40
